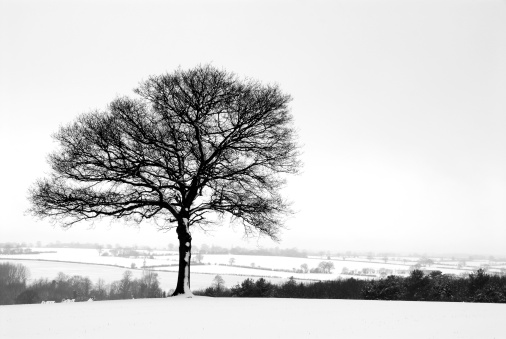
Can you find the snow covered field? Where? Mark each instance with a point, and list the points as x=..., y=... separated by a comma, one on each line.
x=202, y=275
x=92, y=256
x=202, y=317
x=168, y=280
x=220, y=269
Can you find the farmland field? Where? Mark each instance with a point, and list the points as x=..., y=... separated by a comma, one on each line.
x=233, y=268
x=50, y=269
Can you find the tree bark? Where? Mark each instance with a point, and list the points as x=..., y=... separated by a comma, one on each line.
x=183, y=278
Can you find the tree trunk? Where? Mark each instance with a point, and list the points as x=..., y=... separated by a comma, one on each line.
x=183, y=278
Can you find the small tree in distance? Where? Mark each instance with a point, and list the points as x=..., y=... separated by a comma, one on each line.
x=326, y=266
x=199, y=257
x=218, y=282
x=195, y=142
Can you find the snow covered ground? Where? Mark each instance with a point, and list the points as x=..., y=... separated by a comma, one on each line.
x=91, y=256
x=202, y=317
x=168, y=280
x=202, y=275
x=221, y=270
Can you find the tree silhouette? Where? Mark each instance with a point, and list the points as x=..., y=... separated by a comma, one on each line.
x=196, y=141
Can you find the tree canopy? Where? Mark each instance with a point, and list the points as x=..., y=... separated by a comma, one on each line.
x=198, y=139
x=192, y=142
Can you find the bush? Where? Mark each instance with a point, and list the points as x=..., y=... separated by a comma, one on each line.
x=214, y=292
x=490, y=294
x=391, y=288
x=28, y=297
x=477, y=281
x=477, y=287
x=250, y=289
x=417, y=286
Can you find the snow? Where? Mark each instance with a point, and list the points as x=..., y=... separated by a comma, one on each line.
x=92, y=256
x=185, y=222
x=202, y=317
x=49, y=270
x=186, y=283
x=289, y=263
x=88, y=262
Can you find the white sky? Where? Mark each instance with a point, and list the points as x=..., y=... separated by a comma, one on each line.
x=400, y=105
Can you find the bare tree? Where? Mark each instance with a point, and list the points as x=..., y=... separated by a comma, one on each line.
x=199, y=257
x=195, y=141
x=326, y=266
x=13, y=278
x=100, y=291
x=125, y=285
x=219, y=282
x=150, y=284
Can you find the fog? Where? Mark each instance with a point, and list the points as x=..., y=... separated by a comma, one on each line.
x=399, y=106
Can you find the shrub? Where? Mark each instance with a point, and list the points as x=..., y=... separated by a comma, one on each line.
x=28, y=297
x=391, y=288
x=417, y=286
x=250, y=289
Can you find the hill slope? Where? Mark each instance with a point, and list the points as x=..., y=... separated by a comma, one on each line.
x=202, y=317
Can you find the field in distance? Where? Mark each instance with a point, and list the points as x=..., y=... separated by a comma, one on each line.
x=108, y=265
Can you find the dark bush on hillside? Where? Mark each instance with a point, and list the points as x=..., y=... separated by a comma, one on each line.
x=490, y=294
x=477, y=281
x=213, y=291
x=332, y=289
x=478, y=287
x=335, y=289
x=290, y=289
x=250, y=289
x=416, y=286
x=435, y=286
x=390, y=288
x=218, y=289
x=28, y=297
x=440, y=287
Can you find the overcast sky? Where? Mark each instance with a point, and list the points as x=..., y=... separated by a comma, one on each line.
x=400, y=107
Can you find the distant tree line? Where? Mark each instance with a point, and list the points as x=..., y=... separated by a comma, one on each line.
x=15, y=290
x=16, y=250
x=280, y=252
x=58, y=244
x=288, y=252
x=476, y=287
x=126, y=253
